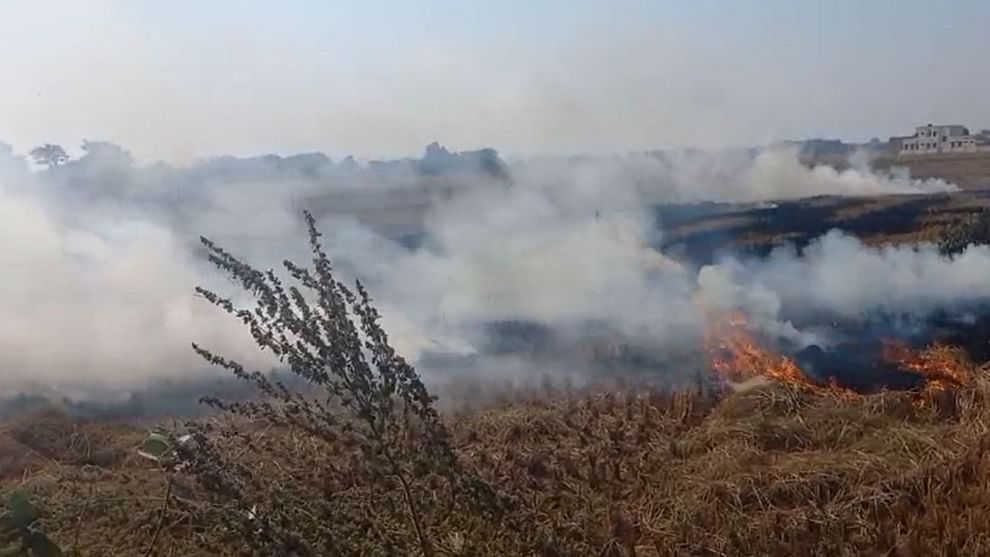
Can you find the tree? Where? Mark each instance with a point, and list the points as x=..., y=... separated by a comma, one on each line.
x=106, y=152
x=49, y=155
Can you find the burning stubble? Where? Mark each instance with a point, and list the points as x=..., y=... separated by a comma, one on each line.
x=738, y=357
x=101, y=264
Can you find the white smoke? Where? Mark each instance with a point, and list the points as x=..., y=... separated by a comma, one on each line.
x=100, y=260
x=727, y=176
x=837, y=276
x=104, y=307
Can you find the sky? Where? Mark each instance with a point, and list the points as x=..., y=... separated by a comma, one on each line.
x=177, y=80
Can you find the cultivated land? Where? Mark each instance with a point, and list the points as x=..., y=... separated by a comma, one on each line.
x=773, y=469
x=699, y=232
x=968, y=171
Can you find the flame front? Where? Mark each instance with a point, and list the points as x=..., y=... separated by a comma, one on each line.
x=942, y=366
x=735, y=355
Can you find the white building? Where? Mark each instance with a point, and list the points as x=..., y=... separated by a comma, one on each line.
x=932, y=140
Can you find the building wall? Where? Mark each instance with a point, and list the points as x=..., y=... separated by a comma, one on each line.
x=929, y=140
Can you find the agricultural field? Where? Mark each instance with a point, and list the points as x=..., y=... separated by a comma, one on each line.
x=756, y=458
x=768, y=470
x=700, y=232
x=494, y=279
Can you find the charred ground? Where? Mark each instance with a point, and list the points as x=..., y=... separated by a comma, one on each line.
x=700, y=232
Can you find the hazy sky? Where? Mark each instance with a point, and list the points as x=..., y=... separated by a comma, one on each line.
x=177, y=79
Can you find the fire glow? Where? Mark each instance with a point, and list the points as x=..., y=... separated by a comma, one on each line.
x=942, y=366
x=735, y=355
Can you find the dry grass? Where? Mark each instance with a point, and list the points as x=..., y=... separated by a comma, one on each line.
x=766, y=471
x=969, y=171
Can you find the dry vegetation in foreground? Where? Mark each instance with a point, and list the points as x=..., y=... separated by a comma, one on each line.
x=770, y=471
x=370, y=468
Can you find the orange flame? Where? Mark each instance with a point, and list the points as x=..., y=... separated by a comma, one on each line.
x=942, y=366
x=735, y=355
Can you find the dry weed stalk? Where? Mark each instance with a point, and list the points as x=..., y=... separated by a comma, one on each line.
x=358, y=393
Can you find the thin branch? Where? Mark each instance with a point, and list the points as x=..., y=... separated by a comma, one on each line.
x=161, y=519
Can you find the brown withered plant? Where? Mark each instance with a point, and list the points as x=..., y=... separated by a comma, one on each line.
x=390, y=483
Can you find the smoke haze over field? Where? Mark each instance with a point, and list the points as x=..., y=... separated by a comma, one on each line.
x=179, y=80
x=100, y=257
x=728, y=176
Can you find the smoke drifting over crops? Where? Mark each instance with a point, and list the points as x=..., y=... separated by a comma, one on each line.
x=100, y=258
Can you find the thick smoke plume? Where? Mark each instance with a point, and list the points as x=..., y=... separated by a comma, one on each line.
x=837, y=278
x=100, y=258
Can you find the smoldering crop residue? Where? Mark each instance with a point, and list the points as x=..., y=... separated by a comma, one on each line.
x=100, y=258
